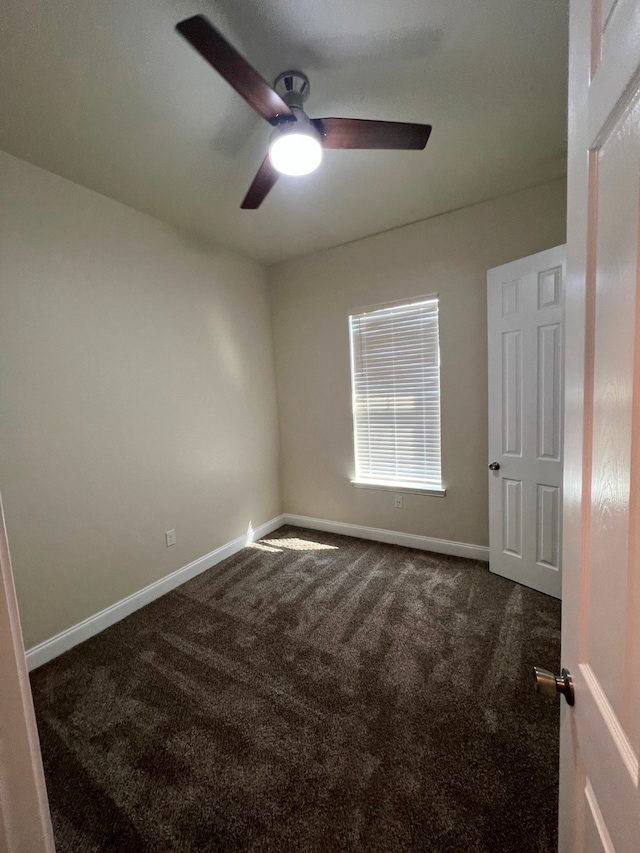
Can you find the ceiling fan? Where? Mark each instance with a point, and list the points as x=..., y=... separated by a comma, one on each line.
x=297, y=141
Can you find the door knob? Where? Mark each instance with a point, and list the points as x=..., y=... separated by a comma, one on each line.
x=494, y=466
x=550, y=685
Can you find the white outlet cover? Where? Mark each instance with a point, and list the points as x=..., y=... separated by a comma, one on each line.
x=398, y=502
x=170, y=537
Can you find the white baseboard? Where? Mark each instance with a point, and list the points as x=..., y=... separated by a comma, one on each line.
x=393, y=537
x=49, y=649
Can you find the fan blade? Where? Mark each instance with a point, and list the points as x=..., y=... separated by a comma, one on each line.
x=262, y=183
x=235, y=69
x=362, y=133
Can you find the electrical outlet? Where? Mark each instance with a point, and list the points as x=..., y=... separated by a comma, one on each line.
x=398, y=502
x=170, y=536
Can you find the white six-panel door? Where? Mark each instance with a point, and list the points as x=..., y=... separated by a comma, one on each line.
x=600, y=735
x=526, y=341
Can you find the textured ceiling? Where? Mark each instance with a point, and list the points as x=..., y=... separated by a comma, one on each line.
x=108, y=95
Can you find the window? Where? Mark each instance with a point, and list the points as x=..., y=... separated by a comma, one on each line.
x=395, y=378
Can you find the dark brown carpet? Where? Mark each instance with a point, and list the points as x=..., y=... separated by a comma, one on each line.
x=337, y=696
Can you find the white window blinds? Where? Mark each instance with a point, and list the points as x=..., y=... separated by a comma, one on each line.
x=395, y=372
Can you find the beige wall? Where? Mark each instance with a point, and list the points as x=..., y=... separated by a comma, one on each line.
x=136, y=395
x=311, y=300
x=138, y=389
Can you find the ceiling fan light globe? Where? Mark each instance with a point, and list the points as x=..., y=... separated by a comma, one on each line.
x=295, y=153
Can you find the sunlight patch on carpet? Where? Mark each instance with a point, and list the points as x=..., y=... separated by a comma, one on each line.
x=292, y=544
x=259, y=546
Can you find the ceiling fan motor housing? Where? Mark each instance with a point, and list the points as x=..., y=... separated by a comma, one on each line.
x=293, y=88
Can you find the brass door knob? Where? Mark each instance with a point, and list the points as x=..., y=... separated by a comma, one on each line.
x=550, y=685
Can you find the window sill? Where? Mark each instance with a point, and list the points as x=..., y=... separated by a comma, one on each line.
x=399, y=488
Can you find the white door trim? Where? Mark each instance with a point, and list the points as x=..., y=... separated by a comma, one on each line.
x=25, y=824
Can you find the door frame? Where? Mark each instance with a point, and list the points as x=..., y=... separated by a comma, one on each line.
x=25, y=822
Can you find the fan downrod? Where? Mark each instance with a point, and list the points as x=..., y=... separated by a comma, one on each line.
x=293, y=88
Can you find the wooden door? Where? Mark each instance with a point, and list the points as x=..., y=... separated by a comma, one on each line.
x=525, y=301
x=600, y=736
